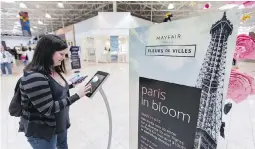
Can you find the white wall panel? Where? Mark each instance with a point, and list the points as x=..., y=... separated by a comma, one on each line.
x=106, y=24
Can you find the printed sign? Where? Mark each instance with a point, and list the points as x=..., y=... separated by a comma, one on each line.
x=167, y=115
x=75, y=57
x=179, y=73
x=171, y=50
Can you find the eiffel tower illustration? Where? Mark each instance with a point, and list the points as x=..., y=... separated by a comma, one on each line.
x=211, y=81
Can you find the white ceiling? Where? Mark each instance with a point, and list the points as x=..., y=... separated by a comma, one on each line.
x=74, y=12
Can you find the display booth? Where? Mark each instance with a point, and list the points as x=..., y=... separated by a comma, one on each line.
x=67, y=34
x=88, y=49
x=107, y=50
x=179, y=75
x=104, y=38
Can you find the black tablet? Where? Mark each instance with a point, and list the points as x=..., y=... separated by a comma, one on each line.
x=96, y=82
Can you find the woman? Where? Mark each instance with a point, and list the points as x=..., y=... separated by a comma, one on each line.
x=45, y=96
x=29, y=54
x=24, y=57
x=5, y=60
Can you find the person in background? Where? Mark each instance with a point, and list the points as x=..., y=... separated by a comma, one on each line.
x=14, y=52
x=45, y=96
x=22, y=47
x=234, y=64
x=29, y=54
x=24, y=57
x=5, y=60
x=14, y=55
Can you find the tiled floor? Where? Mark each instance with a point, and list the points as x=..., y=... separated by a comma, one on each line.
x=89, y=120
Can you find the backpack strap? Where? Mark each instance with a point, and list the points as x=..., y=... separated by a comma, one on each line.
x=15, y=108
x=17, y=84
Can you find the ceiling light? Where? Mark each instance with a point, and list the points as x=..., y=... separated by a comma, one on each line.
x=192, y=4
x=22, y=5
x=60, y=5
x=171, y=6
x=17, y=16
x=40, y=22
x=37, y=6
x=47, y=16
x=241, y=7
x=35, y=27
x=9, y=1
x=228, y=6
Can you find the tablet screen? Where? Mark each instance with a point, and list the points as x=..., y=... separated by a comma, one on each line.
x=96, y=81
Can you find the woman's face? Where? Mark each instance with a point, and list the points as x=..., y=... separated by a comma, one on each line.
x=58, y=57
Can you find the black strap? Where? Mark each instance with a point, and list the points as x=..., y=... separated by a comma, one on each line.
x=17, y=85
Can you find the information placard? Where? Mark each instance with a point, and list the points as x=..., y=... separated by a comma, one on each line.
x=167, y=114
x=179, y=73
x=75, y=57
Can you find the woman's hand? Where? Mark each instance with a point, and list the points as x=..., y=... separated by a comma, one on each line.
x=83, y=90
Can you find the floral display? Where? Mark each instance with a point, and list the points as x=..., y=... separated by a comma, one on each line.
x=245, y=47
x=240, y=86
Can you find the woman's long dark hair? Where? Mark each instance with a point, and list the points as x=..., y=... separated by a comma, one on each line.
x=42, y=61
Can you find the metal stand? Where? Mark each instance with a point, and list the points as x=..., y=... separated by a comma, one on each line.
x=109, y=116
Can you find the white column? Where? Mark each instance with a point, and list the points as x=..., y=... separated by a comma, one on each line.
x=83, y=50
x=51, y=26
x=99, y=46
x=63, y=24
x=151, y=12
x=114, y=6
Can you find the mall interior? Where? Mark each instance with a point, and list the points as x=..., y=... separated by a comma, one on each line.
x=111, y=37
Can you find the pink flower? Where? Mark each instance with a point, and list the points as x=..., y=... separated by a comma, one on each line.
x=245, y=47
x=247, y=4
x=240, y=86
